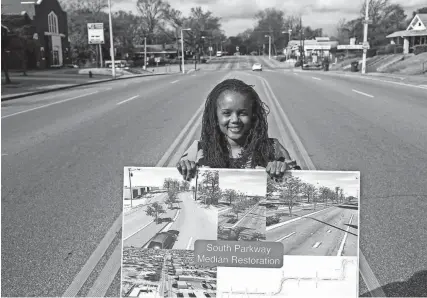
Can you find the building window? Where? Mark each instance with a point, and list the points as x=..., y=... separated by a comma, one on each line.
x=53, y=23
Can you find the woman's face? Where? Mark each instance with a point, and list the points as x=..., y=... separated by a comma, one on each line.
x=234, y=113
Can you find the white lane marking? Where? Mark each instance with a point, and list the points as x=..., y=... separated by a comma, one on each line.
x=317, y=244
x=49, y=104
x=126, y=100
x=243, y=217
x=363, y=93
x=4, y=154
x=173, y=82
x=367, y=274
x=140, y=229
x=340, y=250
x=99, y=252
x=291, y=129
x=107, y=275
x=189, y=243
x=295, y=219
x=328, y=231
x=87, y=269
x=314, y=78
x=285, y=237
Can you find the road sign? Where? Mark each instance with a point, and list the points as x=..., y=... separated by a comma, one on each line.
x=369, y=22
x=365, y=46
x=95, y=33
x=237, y=48
x=210, y=49
x=157, y=59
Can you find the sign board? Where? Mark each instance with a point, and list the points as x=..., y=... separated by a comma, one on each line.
x=365, y=46
x=317, y=47
x=237, y=48
x=350, y=47
x=157, y=59
x=95, y=33
x=210, y=49
x=369, y=22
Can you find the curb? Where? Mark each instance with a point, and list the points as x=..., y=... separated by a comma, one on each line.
x=6, y=98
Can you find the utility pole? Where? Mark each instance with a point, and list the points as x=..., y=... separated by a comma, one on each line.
x=113, y=62
x=130, y=187
x=100, y=55
x=365, y=37
x=145, y=53
x=182, y=48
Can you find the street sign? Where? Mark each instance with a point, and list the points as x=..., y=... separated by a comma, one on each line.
x=210, y=49
x=369, y=22
x=157, y=59
x=95, y=33
x=237, y=48
x=317, y=47
x=365, y=46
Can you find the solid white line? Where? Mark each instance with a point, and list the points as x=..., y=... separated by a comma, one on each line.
x=126, y=100
x=174, y=82
x=50, y=104
x=340, y=250
x=107, y=275
x=363, y=93
x=243, y=217
x=87, y=269
x=189, y=243
x=140, y=229
x=316, y=78
x=285, y=237
x=317, y=244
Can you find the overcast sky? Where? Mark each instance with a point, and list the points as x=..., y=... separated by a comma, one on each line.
x=150, y=176
x=252, y=182
x=238, y=15
x=348, y=181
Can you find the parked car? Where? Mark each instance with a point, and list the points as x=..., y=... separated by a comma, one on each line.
x=163, y=240
x=257, y=66
x=219, y=54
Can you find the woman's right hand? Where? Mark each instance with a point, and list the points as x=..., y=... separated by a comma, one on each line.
x=187, y=169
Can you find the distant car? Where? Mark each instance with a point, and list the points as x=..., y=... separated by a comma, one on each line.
x=257, y=66
x=163, y=240
x=219, y=54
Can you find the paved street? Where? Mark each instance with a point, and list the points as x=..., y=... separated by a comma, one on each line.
x=63, y=155
x=320, y=234
x=253, y=222
x=195, y=221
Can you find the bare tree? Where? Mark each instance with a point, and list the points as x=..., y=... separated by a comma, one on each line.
x=153, y=13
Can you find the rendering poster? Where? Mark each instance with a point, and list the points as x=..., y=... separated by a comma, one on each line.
x=194, y=238
x=315, y=215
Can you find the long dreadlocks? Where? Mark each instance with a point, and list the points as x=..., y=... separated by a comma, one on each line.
x=257, y=150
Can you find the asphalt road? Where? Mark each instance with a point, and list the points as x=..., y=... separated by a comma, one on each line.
x=319, y=234
x=63, y=155
x=195, y=221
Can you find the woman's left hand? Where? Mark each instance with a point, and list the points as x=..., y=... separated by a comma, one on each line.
x=276, y=169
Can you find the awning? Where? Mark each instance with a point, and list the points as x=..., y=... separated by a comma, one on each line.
x=408, y=33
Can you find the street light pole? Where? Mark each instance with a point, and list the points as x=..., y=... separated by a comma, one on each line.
x=130, y=187
x=145, y=53
x=182, y=48
x=365, y=37
x=269, y=46
x=113, y=62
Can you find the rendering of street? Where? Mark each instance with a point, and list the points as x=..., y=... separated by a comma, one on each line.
x=165, y=273
x=242, y=217
x=169, y=217
x=94, y=92
x=318, y=213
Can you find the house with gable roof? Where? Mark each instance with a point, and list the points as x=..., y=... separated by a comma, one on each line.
x=49, y=31
x=415, y=34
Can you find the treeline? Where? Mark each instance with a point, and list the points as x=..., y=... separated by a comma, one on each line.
x=156, y=20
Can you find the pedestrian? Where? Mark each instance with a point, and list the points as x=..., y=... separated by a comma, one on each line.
x=235, y=134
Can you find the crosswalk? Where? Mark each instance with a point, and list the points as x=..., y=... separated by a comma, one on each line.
x=241, y=63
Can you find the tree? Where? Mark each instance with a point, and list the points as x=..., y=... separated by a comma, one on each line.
x=257, y=236
x=211, y=190
x=237, y=208
x=342, y=195
x=337, y=189
x=168, y=184
x=271, y=21
x=290, y=189
x=308, y=190
x=172, y=198
x=185, y=185
x=154, y=210
x=231, y=195
x=5, y=40
x=153, y=13
x=419, y=10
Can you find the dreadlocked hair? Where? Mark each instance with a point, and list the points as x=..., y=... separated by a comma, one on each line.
x=257, y=149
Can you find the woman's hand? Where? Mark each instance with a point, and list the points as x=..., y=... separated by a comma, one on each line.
x=187, y=169
x=276, y=169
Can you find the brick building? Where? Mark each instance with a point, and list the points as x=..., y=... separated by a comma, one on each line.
x=46, y=38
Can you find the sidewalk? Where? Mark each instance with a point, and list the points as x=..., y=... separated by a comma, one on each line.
x=37, y=82
x=414, y=79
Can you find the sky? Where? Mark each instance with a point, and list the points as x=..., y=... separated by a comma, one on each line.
x=238, y=15
x=252, y=182
x=348, y=181
x=150, y=176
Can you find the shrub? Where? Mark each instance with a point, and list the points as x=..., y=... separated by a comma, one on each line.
x=271, y=220
x=420, y=49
